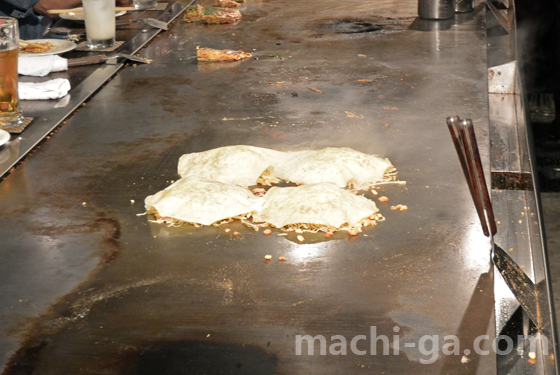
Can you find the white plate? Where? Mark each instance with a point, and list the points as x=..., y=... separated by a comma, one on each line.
x=79, y=16
x=59, y=46
x=4, y=137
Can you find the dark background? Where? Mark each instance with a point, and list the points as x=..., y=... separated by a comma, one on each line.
x=538, y=23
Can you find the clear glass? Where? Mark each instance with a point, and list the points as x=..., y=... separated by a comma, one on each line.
x=99, y=17
x=144, y=4
x=10, y=113
x=541, y=107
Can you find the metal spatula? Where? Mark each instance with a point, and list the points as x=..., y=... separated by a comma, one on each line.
x=100, y=59
x=147, y=21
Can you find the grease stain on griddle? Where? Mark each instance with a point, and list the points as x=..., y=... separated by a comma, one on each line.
x=254, y=15
x=172, y=99
x=111, y=230
x=357, y=26
x=264, y=98
x=25, y=360
x=512, y=181
x=351, y=26
x=197, y=357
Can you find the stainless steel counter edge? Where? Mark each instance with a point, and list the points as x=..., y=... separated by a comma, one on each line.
x=516, y=202
x=20, y=146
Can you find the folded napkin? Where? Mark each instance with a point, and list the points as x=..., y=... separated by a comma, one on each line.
x=41, y=65
x=53, y=89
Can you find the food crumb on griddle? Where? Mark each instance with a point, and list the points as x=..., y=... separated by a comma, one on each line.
x=383, y=199
x=268, y=257
x=315, y=90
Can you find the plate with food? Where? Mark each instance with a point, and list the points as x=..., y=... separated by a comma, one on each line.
x=79, y=16
x=43, y=47
x=4, y=137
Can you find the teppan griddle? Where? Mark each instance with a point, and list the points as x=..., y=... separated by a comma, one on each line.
x=96, y=289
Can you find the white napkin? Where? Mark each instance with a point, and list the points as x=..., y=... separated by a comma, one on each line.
x=53, y=89
x=41, y=65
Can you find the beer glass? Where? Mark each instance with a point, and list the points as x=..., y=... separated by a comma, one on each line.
x=10, y=113
x=100, y=23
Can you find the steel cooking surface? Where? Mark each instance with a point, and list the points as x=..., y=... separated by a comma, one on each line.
x=94, y=288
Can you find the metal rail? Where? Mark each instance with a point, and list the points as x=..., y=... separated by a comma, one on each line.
x=523, y=294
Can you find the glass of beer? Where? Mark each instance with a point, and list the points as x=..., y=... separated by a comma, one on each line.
x=10, y=113
x=100, y=23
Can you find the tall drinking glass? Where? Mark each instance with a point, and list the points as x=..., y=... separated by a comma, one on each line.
x=100, y=23
x=10, y=113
